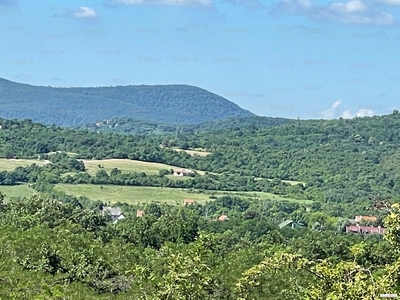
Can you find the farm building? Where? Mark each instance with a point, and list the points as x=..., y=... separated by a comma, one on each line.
x=183, y=172
x=114, y=212
x=188, y=202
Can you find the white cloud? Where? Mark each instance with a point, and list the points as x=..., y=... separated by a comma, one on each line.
x=80, y=12
x=85, y=12
x=362, y=112
x=346, y=114
x=351, y=12
x=330, y=112
x=203, y=3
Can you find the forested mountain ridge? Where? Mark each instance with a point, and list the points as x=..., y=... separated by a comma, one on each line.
x=79, y=106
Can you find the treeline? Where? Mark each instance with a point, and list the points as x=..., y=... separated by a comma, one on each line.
x=55, y=250
x=340, y=161
x=142, y=127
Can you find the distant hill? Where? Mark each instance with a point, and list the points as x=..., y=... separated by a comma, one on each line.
x=142, y=127
x=173, y=104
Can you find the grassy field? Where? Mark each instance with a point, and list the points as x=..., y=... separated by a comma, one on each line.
x=11, y=164
x=127, y=165
x=16, y=190
x=193, y=152
x=70, y=154
x=138, y=195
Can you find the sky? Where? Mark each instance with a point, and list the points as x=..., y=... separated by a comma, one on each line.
x=285, y=58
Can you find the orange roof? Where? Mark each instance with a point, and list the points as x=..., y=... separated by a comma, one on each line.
x=223, y=218
x=366, y=218
x=188, y=201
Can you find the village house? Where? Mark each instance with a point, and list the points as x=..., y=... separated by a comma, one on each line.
x=290, y=223
x=183, y=172
x=114, y=212
x=355, y=227
x=223, y=218
x=139, y=213
x=365, y=229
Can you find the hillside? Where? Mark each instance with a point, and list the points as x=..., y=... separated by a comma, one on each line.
x=136, y=126
x=177, y=104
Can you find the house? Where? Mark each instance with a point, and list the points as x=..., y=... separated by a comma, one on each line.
x=188, y=202
x=290, y=223
x=365, y=218
x=365, y=229
x=223, y=218
x=183, y=172
x=139, y=213
x=114, y=212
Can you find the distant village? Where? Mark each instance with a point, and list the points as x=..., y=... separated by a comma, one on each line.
x=358, y=225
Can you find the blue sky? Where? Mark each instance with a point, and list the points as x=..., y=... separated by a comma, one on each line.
x=287, y=58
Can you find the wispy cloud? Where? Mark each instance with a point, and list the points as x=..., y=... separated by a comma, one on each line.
x=362, y=112
x=80, y=12
x=330, y=112
x=351, y=12
x=201, y=3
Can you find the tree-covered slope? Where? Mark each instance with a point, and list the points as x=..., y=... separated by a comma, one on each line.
x=178, y=104
x=136, y=126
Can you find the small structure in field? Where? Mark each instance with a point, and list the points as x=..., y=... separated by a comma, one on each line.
x=184, y=172
x=139, y=213
x=188, y=202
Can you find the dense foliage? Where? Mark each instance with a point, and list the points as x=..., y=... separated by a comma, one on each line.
x=141, y=127
x=54, y=249
x=55, y=246
x=78, y=106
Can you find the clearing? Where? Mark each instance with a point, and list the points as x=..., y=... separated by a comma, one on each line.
x=137, y=194
x=127, y=165
x=194, y=152
x=16, y=190
x=11, y=164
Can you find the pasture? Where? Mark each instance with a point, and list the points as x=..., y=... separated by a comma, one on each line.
x=11, y=164
x=193, y=152
x=127, y=165
x=139, y=195
x=16, y=190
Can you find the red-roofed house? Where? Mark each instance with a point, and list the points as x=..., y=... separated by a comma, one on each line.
x=188, y=202
x=223, y=218
x=365, y=229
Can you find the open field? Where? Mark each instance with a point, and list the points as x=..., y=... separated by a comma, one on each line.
x=291, y=182
x=16, y=190
x=70, y=154
x=11, y=164
x=193, y=152
x=127, y=165
x=135, y=195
